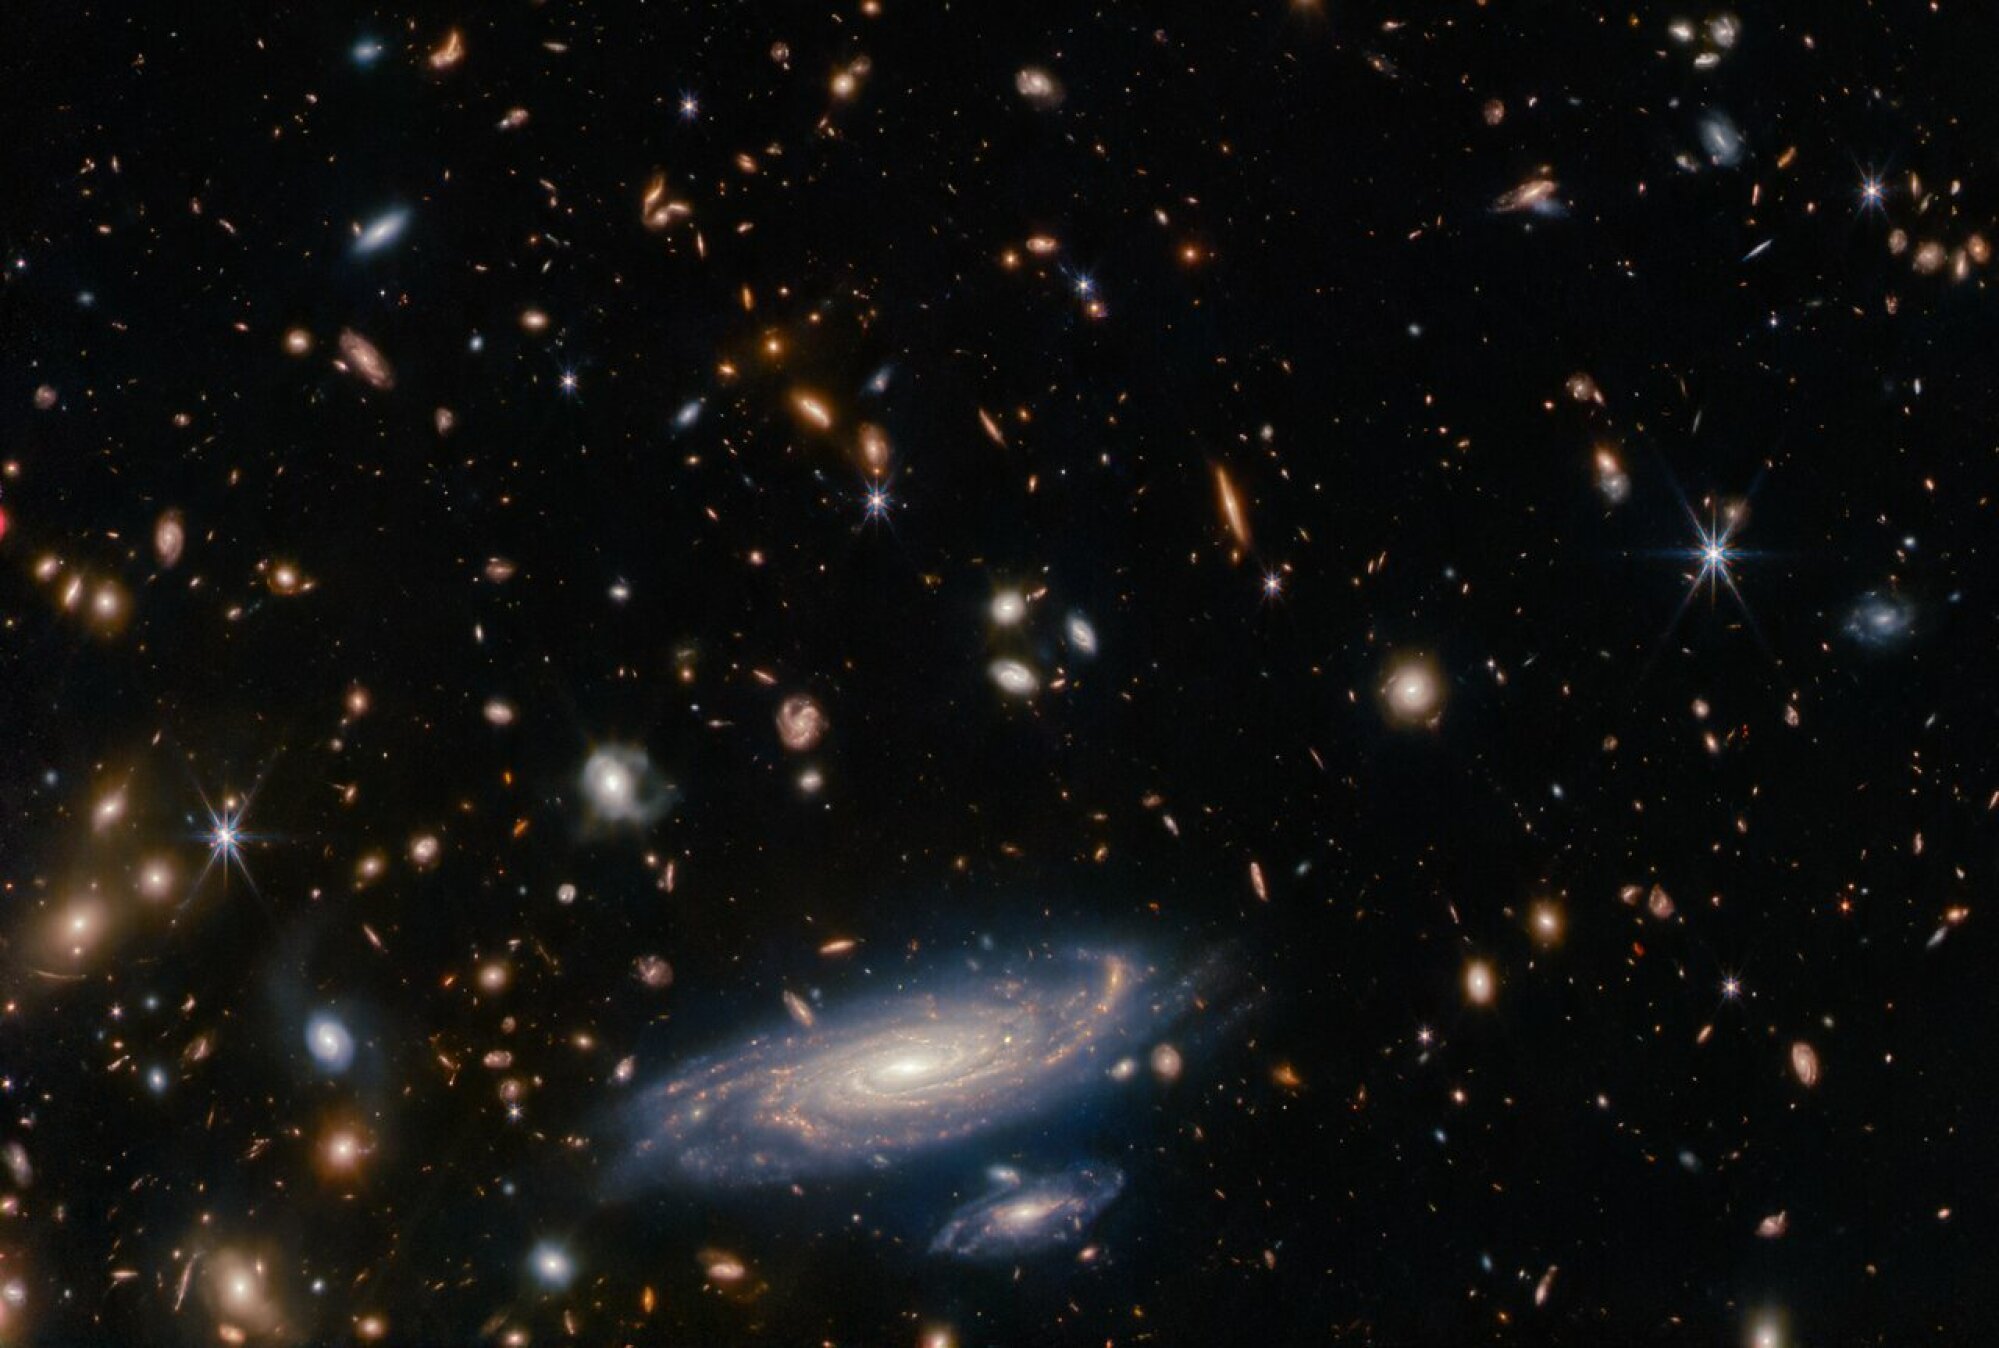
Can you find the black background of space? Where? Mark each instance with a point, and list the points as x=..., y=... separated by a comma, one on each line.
x=1338, y=178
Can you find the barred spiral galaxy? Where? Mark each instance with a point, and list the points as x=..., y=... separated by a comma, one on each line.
x=1881, y=620
x=909, y=1073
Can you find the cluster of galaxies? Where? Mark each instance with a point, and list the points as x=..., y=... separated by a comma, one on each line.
x=962, y=674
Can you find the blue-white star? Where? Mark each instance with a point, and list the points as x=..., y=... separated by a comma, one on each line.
x=1717, y=557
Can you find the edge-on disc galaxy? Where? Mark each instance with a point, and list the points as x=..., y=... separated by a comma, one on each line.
x=899, y=1074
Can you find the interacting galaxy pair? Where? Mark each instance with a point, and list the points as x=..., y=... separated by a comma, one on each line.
x=917, y=1072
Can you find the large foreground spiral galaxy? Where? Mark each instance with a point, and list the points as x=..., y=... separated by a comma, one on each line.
x=898, y=1075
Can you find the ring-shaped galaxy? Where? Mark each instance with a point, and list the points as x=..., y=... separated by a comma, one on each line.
x=897, y=1075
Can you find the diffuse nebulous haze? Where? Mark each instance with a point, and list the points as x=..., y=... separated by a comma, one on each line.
x=912, y=674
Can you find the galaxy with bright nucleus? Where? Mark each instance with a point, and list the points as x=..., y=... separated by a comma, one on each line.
x=954, y=675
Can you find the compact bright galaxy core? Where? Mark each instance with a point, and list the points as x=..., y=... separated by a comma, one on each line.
x=930, y=675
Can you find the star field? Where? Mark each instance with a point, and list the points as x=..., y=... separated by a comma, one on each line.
x=964, y=674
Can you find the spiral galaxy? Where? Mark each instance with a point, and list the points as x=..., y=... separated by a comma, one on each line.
x=1025, y=1216
x=1881, y=620
x=912, y=1072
